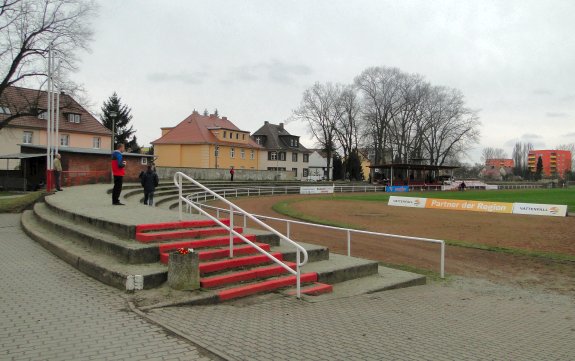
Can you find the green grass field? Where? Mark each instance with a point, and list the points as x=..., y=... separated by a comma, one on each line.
x=564, y=196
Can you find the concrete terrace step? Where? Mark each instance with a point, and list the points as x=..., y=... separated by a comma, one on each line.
x=103, y=267
x=123, y=249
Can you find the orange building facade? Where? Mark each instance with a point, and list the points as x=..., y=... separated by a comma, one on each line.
x=555, y=162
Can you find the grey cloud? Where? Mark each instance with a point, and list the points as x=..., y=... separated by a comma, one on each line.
x=542, y=92
x=534, y=139
x=188, y=78
x=556, y=115
x=274, y=71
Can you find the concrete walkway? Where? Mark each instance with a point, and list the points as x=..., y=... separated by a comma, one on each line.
x=50, y=311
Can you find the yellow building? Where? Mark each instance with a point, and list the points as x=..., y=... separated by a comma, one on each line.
x=202, y=141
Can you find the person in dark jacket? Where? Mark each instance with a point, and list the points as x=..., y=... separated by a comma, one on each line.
x=149, y=180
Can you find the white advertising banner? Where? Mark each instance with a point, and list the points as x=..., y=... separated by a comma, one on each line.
x=407, y=202
x=554, y=210
x=316, y=190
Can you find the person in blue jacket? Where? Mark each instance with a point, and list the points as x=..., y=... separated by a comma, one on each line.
x=149, y=181
x=118, y=171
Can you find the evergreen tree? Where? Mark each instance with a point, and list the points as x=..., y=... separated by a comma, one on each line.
x=338, y=171
x=120, y=122
x=539, y=169
x=353, y=166
x=206, y=113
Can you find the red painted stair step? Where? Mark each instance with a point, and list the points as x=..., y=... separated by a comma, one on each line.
x=261, y=272
x=220, y=253
x=226, y=264
x=269, y=285
x=202, y=243
x=314, y=289
x=190, y=233
x=177, y=225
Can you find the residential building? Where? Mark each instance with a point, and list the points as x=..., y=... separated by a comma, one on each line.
x=555, y=162
x=202, y=141
x=281, y=151
x=77, y=127
x=318, y=169
x=498, y=169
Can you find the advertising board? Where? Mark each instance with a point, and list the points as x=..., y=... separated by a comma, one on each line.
x=553, y=210
x=406, y=202
x=316, y=190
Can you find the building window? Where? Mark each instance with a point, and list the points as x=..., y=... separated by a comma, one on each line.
x=64, y=140
x=237, y=135
x=243, y=137
x=294, y=171
x=225, y=133
x=294, y=157
x=272, y=155
x=305, y=172
x=4, y=110
x=74, y=118
x=282, y=156
x=27, y=139
x=243, y=154
x=144, y=160
x=252, y=155
x=306, y=158
x=259, y=140
x=43, y=115
x=231, y=135
x=96, y=142
x=232, y=152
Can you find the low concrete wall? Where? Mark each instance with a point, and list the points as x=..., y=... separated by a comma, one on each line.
x=166, y=173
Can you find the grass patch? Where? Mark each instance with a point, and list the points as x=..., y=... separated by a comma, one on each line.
x=284, y=207
x=18, y=204
x=564, y=196
x=513, y=251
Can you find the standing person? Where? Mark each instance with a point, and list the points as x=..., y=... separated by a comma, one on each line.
x=58, y=171
x=118, y=171
x=150, y=181
x=232, y=171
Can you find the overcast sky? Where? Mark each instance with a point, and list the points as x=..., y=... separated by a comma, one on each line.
x=252, y=60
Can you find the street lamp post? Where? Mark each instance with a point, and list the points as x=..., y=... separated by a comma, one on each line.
x=113, y=115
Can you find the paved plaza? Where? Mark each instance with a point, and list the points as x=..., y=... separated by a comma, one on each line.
x=50, y=311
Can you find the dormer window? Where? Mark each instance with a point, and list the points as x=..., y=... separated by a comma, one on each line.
x=43, y=115
x=4, y=110
x=74, y=118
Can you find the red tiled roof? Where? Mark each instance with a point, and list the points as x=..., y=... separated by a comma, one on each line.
x=197, y=129
x=21, y=100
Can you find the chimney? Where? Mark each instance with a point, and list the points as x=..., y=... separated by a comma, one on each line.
x=224, y=118
x=266, y=122
x=281, y=126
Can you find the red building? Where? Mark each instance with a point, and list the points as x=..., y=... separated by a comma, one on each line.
x=555, y=162
x=498, y=168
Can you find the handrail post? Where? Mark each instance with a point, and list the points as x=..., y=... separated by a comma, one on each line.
x=180, y=186
x=442, y=270
x=288, y=229
x=297, y=276
x=231, y=232
x=348, y=243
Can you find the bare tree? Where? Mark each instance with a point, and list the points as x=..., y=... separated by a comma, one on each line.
x=321, y=108
x=347, y=127
x=520, y=159
x=492, y=153
x=28, y=29
x=450, y=126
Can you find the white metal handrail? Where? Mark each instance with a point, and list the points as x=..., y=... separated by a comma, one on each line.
x=179, y=176
x=196, y=197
